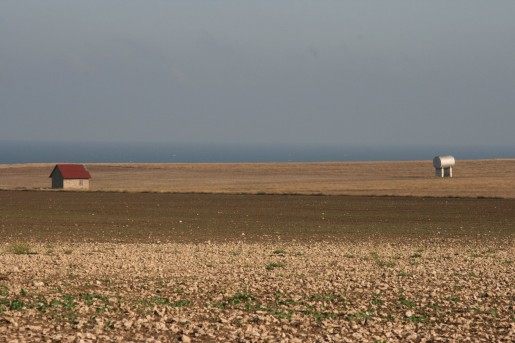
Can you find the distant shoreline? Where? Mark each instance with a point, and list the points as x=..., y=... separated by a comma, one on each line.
x=39, y=164
x=143, y=164
x=50, y=152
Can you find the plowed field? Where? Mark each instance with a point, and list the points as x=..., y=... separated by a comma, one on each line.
x=158, y=267
x=197, y=218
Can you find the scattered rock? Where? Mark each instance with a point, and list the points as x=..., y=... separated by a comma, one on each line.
x=223, y=292
x=185, y=339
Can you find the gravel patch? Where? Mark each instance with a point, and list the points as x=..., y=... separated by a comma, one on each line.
x=417, y=291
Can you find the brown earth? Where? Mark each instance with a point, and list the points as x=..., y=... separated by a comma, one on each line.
x=194, y=218
x=370, y=291
x=163, y=267
x=477, y=178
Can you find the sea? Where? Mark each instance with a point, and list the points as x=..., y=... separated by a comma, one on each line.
x=12, y=152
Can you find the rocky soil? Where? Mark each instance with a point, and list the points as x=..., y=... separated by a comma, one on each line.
x=369, y=291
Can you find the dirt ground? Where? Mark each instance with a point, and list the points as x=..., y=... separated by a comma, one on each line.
x=196, y=218
x=369, y=291
x=162, y=267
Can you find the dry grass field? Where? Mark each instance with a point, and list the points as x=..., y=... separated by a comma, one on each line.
x=164, y=256
x=479, y=178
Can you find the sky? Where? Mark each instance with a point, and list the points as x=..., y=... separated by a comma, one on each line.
x=296, y=72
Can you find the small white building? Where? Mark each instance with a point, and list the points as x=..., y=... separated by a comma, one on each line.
x=443, y=165
x=70, y=176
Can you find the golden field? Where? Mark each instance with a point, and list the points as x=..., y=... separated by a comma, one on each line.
x=473, y=178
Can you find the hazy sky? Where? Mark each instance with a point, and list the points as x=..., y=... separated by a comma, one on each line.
x=264, y=71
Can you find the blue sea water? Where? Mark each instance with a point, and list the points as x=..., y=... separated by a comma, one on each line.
x=73, y=152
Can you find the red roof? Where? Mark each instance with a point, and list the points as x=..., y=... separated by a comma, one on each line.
x=72, y=171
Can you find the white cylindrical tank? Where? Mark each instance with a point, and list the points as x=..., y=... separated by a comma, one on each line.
x=443, y=161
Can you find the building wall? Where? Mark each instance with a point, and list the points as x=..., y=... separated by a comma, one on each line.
x=57, y=180
x=76, y=184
